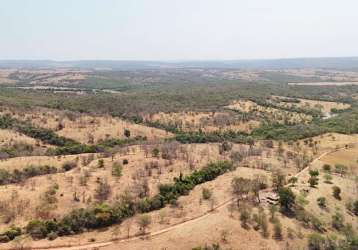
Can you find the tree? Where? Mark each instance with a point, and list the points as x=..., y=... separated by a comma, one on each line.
x=127, y=133
x=321, y=201
x=244, y=218
x=273, y=209
x=340, y=169
x=241, y=187
x=155, y=152
x=355, y=207
x=206, y=193
x=100, y=163
x=278, y=180
x=315, y=241
x=286, y=199
x=337, y=221
x=277, y=229
x=102, y=191
x=143, y=221
x=293, y=180
x=328, y=179
x=313, y=181
x=327, y=168
x=117, y=169
x=336, y=192
x=313, y=172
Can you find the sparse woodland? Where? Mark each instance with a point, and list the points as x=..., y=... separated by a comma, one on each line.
x=257, y=161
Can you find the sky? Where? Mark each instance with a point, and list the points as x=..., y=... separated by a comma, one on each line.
x=177, y=29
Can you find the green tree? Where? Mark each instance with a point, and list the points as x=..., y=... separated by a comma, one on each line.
x=155, y=152
x=143, y=221
x=245, y=218
x=313, y=181
x=286, y=199
x=316, y=242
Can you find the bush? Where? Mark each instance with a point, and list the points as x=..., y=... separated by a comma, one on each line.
x=37, y=229
x=328, y=179
x=321, y=201
x=277, y=228
x=313, y=172
x=245, y=218
x=12, y=232
x=67, y=166
x=117, y=169
x=355, y=207
x=337, y=221
x=327, y=168
x=206, y=193
x=336, y=192
x=100, y=163
x=127, y=133
x=313, y=181
x=315, y=242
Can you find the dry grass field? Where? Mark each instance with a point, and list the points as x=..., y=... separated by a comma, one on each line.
x=84, y=128
x=204, y=121
x=324, y=106
x=10, y=138
x=4, y=76
x=44, y=77
x=137, y=171
x=269, y=113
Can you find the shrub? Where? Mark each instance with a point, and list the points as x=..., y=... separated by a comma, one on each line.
x=155, y=152
x=327, y=168
x=67, y=166
x=328, y=179
x=355, y=207
x=100, y=163
x=313, y=181
x=102, y=191
x=117, y=169
x=37, y=229
x=245, y=218
x=321, y=201
x=337, y=221
x=127, y=133
x=293, y=180
x=336, y=192
x=206, y=193
x=144, y=221
x=277, y=228
x=313, y=172
x=315, y=241
x=13, y=232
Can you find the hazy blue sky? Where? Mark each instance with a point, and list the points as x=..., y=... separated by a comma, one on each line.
x=177, y=29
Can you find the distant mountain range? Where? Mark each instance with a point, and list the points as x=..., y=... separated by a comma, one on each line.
x=291, y=63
